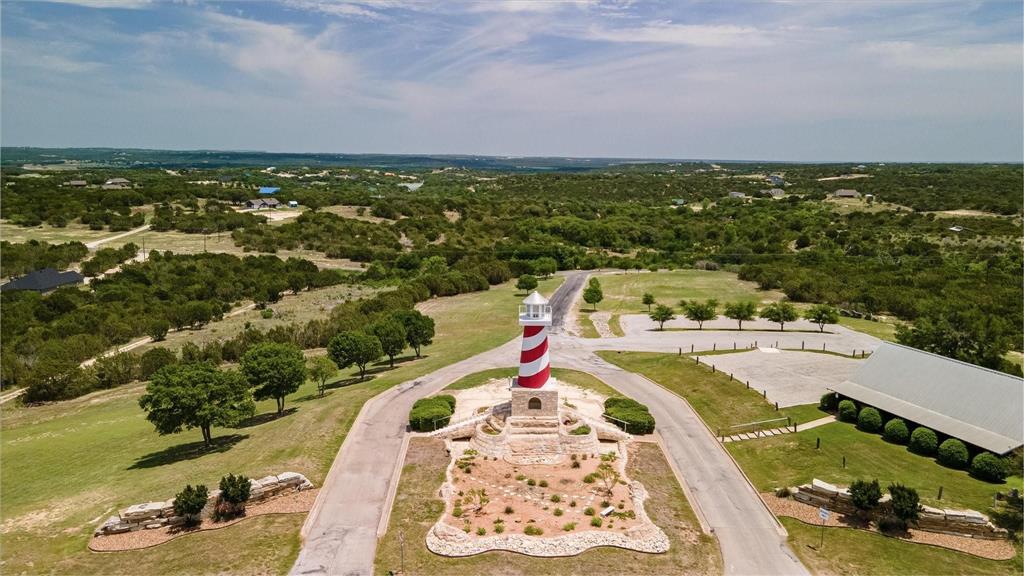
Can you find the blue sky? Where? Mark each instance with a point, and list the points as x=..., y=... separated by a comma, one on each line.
x=776, y=80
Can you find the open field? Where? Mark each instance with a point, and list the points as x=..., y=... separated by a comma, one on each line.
x=720, y=402
x=417, y=507
x=353, y=212
x=46, y=233
x=792, y=459
x=849, y=551
x=623, y=291
x=68, y=465
x=848, y=205
x=881, y=330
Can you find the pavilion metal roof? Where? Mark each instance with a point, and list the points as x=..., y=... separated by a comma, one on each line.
x=977, y=405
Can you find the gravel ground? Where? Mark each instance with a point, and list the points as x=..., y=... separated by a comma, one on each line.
x=294, y=502
x=991, y=549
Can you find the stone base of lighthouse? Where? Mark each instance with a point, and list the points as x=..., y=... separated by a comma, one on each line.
x=535, y=402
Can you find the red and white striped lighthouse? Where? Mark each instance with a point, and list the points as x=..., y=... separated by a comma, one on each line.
x=534, y=363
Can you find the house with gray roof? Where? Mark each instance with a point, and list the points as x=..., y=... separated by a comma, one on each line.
x=846, y=193
x=979, y=406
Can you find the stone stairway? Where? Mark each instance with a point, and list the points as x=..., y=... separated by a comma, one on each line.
x=778, y=431
x=533, y=441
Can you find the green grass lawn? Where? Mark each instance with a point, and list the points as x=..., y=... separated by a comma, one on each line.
x=417, y=507
x=566, y=375
x=52, y=234
x=623, y=291
x=66, y=466
x=720, y=402
x=792, y=459
x=856, y=552
x=881, y=330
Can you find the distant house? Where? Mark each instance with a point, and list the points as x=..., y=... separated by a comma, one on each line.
x=740, y=195
x=776, y=180
x=262, y=203
x=76, y=183
x=774, y=192
x=117, y=184
x=293, y=204
x=43, y=280
x=268, y=190
x=977, y=405
x=845, y=193
x=679, y=202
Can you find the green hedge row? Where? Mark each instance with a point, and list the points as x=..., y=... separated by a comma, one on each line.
x=432, y=413
x=630, y=415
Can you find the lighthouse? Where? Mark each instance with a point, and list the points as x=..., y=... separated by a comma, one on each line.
x=534, y=391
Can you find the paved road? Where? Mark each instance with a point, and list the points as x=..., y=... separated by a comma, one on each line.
x=341, y=531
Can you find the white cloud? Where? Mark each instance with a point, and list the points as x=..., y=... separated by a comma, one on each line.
x=959, y=57
x=699, y=35
x=367, y=10
x=123, y=4
x=514, y=6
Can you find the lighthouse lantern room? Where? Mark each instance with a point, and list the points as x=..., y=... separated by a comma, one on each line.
x=534, y=391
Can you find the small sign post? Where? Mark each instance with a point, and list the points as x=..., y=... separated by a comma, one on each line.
x=823, y=513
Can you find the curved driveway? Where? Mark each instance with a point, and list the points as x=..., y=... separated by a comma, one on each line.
x=340, y=534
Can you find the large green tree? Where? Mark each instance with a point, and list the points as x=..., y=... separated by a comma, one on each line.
x=964, y=333
x=185, y=396
x=593, y=293
x=354, y=348
x=419, y=328
x=741, y=312
x=391, y=334
x=822, y=314
x=662, y=314
x=700, y=312
x=780, y=313
x=274, y=371
x=526, y=282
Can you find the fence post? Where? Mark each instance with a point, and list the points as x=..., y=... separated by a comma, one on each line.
x=733, y=344
x=748, y=384
x=730, y=377
x=844, y=461
x=712, y=368
x=817, y=445
x=801, y=344
x=714, y=346
x=680, y=351
x=940, y=493
x=776, y=406
x=764, y=393
x=691, y=348
x=822, y=346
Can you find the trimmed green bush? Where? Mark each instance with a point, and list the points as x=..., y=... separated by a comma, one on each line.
x=988, y=466
x=847, y=411
x=630, y=415
x=896, y=431
x=432, y=413
x=869, y=419
x=953, y=453
x=829, y=401
x=865, y=495
x=905, y=502
x=189, y=503
x=923, y=441
x=580, y=430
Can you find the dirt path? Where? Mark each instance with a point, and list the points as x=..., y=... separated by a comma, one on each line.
x=97, y=243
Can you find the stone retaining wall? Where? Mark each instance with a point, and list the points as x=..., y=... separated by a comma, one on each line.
x=958, y=522
x=150, y=515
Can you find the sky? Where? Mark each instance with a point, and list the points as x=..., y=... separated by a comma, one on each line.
x=768, y=80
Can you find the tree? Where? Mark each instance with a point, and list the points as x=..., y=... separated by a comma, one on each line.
x=116, y=369
x=780, y=313
x=320, y=370
x=391, y=334
x=662, y=314
x=356, y=348
x=157, y=329
x=699, y=312
x=189, y=503
x=545, y=266
x=185, y=396
x=822, y=314
x=274, y=371
x=608, y=476
x=965, y=334
x=593, y=294
x=526, y=283
x=865, y=495
x=153, y=360
x=905, y=502
x=741, y=312
x=419, y=328
x=648, y=300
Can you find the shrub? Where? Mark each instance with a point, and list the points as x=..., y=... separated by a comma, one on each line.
x=580, y=431
x=556, y=498
x=869, y=420
x=828, y=401
x=267, y=313
x=520, y=477
x=499, y=528
x=575, y=463
x=896, y=431
x=429, y=414
x=923, y=441
x=589, y=478
x=234, y=493
x=1009, y=515
x=988, y=466
x=559, y=512
x=953, y=453
x=153, y=360
x=189, y=503
x=589, y=511
x=531, y=482
x=630, y=415
x=532, y=530
x=509, y=510
x=457, y=511
x=569, y=527
x=905, y=502
x=481, y=531
x=543, y=483
x=892, y=524
x=865, y=495
x=572, y=504
x=847, y=411
x=447, y=399
x=783, y=492
x=596, y=522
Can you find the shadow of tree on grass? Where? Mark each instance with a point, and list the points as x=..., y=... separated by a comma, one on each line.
x=188, y=451
x=264, y=418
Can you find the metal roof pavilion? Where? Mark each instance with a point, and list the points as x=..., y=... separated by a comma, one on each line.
x=269, y=189
x=977, y=405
